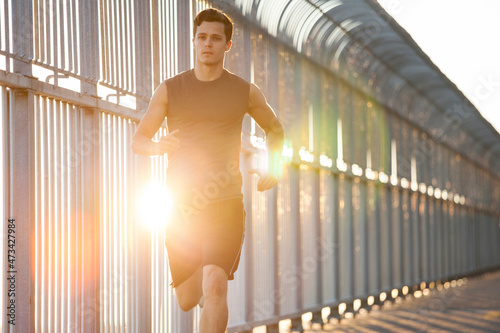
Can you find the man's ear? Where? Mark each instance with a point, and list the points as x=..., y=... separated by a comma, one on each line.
x=228, y=45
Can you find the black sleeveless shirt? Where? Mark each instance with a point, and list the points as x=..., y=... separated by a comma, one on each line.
x=209, y=115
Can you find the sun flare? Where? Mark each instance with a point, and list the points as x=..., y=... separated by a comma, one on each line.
x=155, y=206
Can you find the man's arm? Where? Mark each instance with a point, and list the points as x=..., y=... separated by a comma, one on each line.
x=149, y=125
x=265, y=117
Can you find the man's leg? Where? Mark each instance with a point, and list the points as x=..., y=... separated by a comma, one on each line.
x=214, y=315
x=190, y=291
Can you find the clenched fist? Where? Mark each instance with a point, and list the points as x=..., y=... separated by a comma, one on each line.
x=169, y=143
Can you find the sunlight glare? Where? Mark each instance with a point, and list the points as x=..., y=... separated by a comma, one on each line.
x=155, y=206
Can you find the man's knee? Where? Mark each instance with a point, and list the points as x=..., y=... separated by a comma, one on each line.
x=214, y=281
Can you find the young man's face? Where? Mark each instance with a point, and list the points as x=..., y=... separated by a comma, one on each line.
x=210, y=43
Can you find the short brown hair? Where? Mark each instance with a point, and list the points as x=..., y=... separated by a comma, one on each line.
x=214, y=15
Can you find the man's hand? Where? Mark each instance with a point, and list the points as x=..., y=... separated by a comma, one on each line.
x=169, y=143
x=266, y=182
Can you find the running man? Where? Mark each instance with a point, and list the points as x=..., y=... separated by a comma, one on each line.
x=204, y=108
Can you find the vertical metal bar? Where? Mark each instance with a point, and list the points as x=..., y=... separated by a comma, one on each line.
x=373, y=230
x=471, y=240
x=143, y=308
x=272, y=94
x=7, y=26
x=105, y=217
x=37, y=45
x=39, y=169
x=295, y=231
x=440, y=238
x=478, y=233
x=392, y=224
x=132, y=242
x=113, y=223
x=125, y=25
x=425, y=244
x=453, y=241
x=87, y=40
x=288, y=243
x=447, y=237
x=64, y=222
x=143, y=46
x=183, y=35
x=416, y=258
x=433, y=216
x=104, y=228
x=54, y=38
x=460, y=243
x=57, y=213
x=132, y=60
x=47, y=218
x=103, y=40
x=59, y=34
x=465, y=240
x=349, y=237
x=6, y=182
x=326, y=237
x=72, y=223
x=70, y=42
x=483, y=240
x=315, y=210
x=121, y=221
x=127, y=219
x=115, y=44
x=120, y=40
x=163, y=39
x=346, y=267
x=407, y=240
x=49, y=239
x=380, y=241
x=385, y=236
x=22, y=25
x=21, y=199
x=112, y=40
x=496, y=226
x=90, y=227
x=358, y=238
x=363, y=291
x=249, y=306
x=309, y=230
x=155, y=26
x=397, y=221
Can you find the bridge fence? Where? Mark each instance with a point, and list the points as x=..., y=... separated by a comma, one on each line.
x=368, y=206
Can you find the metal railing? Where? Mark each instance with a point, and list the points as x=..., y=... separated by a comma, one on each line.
x=367, y=204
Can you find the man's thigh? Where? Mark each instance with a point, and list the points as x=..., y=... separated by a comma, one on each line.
x=190, y=291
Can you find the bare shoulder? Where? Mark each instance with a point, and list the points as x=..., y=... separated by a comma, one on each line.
x=256, y=97
x=155, y=114
x=160, y=94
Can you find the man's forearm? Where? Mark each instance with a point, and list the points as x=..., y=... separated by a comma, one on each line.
x=144, y=146
x=275, y=141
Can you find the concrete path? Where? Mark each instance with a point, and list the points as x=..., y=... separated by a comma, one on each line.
x=472, y=306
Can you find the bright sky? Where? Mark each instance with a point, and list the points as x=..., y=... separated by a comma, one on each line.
x=462, y=37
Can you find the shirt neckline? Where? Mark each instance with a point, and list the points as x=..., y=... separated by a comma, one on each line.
x=224, y=72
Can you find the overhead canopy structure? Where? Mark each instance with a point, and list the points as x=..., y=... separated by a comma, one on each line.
x=360, y=42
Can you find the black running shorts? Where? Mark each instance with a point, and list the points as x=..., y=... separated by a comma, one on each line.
x=211, y=235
